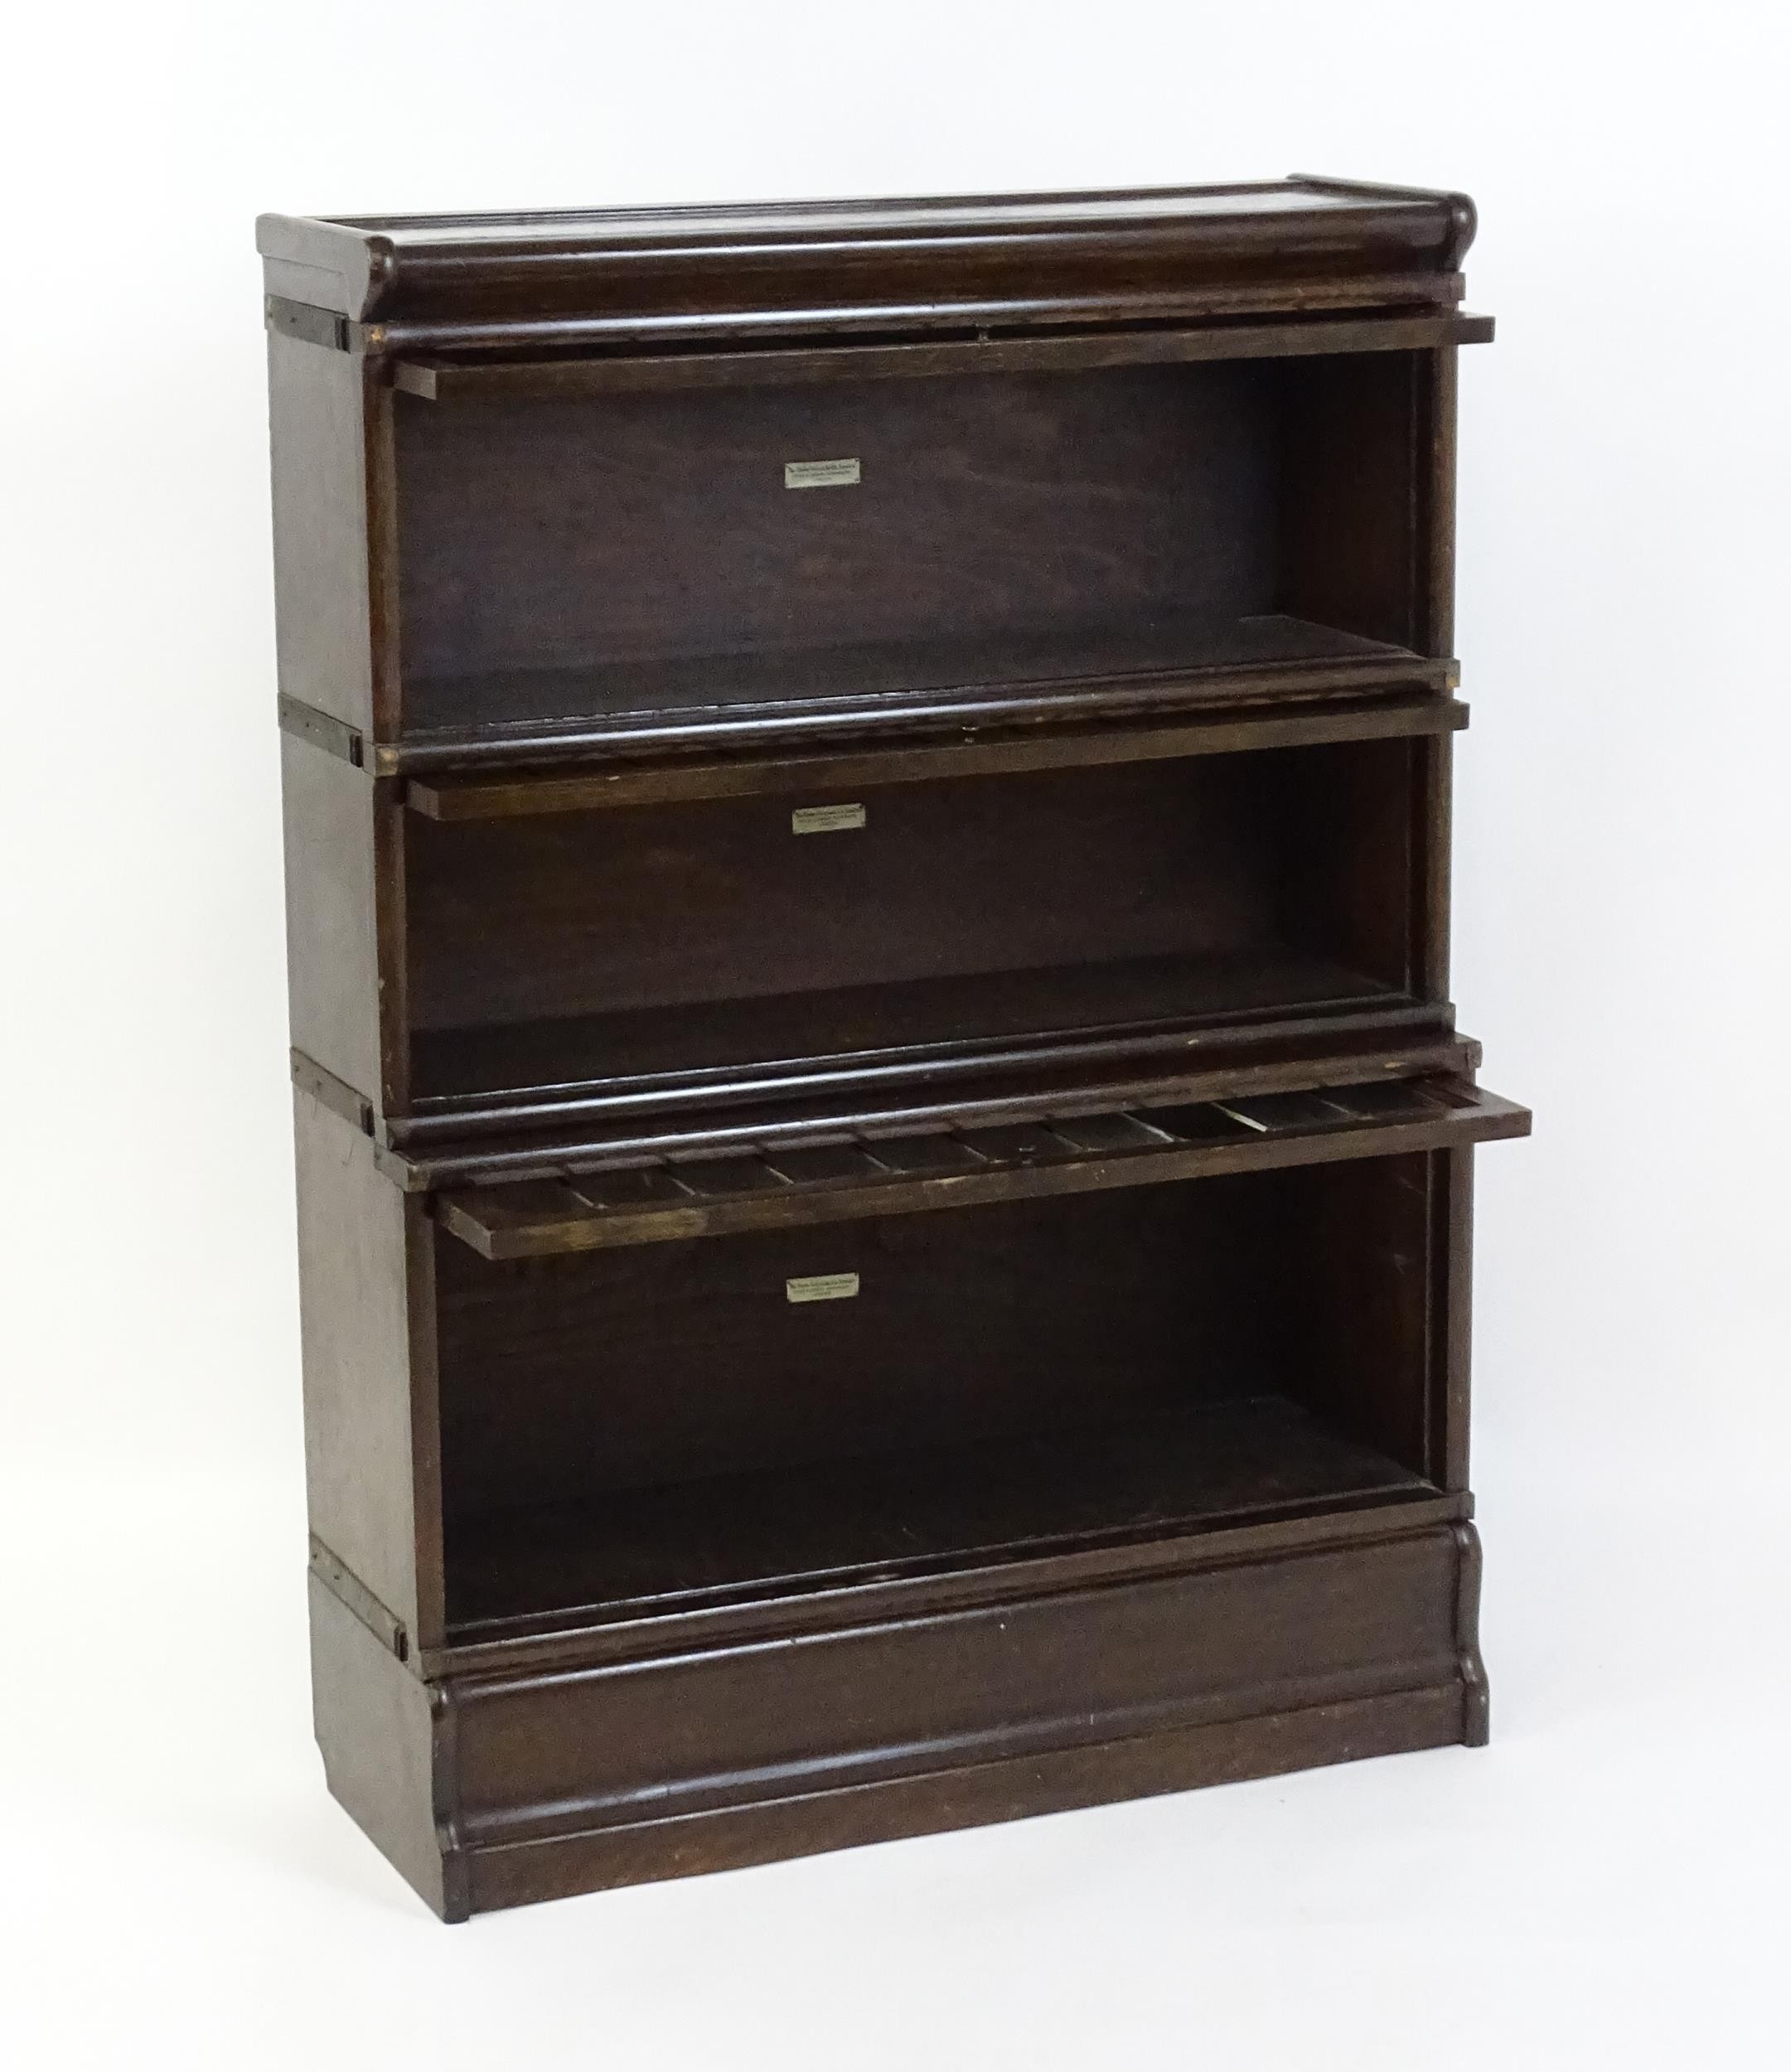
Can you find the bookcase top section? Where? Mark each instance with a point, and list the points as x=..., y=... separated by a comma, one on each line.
x=1123, y=256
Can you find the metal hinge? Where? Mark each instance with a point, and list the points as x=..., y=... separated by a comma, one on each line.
x=300, y=319
x=350, y=1591
x=336, y=1095
x=323, y=730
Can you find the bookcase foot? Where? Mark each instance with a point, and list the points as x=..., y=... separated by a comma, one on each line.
x=1476, y=1701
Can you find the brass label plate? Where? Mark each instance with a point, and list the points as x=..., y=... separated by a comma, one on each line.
x=820, y=474
x=820, y=1287
x=825, y=820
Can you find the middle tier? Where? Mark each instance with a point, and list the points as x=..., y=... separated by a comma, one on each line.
x=560, y=958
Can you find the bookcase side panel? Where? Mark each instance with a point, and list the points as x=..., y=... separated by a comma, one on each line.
x=378, y=1729
x=323, y=600
x=1437, y=388
x=1433, y=766
x=332, y=934
x=1453, y=1322
x=367, y=1303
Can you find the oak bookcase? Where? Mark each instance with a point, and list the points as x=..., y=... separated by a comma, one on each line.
x=883, y=1157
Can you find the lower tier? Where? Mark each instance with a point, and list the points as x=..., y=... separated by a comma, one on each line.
x=930, y=1509
x=1028, y=1689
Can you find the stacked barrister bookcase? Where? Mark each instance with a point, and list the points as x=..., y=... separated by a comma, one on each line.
x=883, y=1157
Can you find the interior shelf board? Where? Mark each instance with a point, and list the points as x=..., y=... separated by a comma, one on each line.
x=629, y=1550
x=1155, y=661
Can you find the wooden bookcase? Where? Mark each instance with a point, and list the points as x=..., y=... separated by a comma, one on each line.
x=883, y=1157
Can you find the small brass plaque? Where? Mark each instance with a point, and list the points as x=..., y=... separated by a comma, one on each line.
x=819, y=474
x=820, y=1287
x=825, y=820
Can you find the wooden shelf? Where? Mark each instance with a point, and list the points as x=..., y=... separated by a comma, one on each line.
x=643, y=1052
x=636, y=365
x=708, y=1120
x=1256, y=1459
x=1157, y=663
x=882, y=1174
x=999, y=752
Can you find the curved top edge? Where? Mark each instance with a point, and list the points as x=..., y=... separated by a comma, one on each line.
x=519, y=263
x=1042, y=208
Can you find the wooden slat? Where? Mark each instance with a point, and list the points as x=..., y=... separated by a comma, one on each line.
x=937, y=1171
x=1343, y=1108
x=927, y=1154
x=1199, y=1122
x=440, y=380
x=1017, y=1143
x=1111, y=1132
x=638, y=1187
x=727, y=1179
x=1288, y=1112
x=1185, y=1078
x=515, y=1221
x=825, y=1165
x=1402, y=1097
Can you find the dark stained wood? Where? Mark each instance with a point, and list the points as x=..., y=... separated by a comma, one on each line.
x=1047, y=1671
x=1354, y=553
x=502, y=1873
x=747, y=1534
x=712, y=1196
x=1264, y=661
x=1003, y=529
x=702, y=1735
x=323, y=610
x=1001, y=753
x=888, y=1036
x=347, y=968
x=606, y=913
x=367, y=1318
x=991, y=508
x=799, y=715
x=444, y=380
x=771, y=268
x=670, y=1362
x=638, y=1130
x=381, y=1730
x=601, y=1635
x=1230, y=888
x=332, y=961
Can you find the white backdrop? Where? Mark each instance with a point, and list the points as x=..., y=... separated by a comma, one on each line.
x=1604, y=1885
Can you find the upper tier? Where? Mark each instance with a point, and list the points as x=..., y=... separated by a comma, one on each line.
x=748, y=269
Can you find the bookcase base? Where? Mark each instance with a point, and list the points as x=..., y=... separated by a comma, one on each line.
x=1227, y=1752
x=488, y=1791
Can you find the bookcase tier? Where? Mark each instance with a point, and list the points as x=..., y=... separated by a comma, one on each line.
x=632, y=1553
x=884, y=1163
x=906, y=1391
